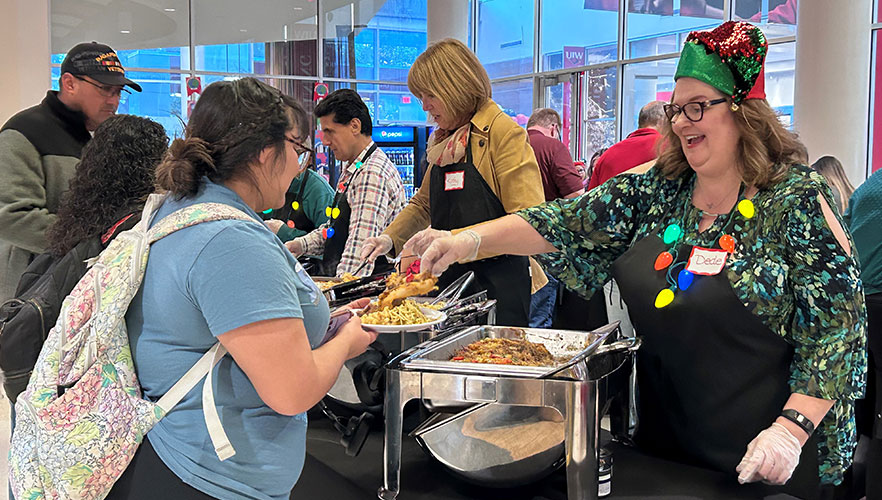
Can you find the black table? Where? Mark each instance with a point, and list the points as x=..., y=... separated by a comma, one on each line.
x=330, y=474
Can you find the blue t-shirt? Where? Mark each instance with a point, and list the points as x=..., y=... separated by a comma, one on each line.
x=201, y=282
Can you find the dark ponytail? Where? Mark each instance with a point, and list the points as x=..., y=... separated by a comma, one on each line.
x=184, y=165
x=230, y=125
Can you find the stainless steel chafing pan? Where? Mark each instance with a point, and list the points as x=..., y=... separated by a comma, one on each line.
x=567, y=346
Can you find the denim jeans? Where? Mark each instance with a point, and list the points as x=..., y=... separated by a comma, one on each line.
x=543, y=303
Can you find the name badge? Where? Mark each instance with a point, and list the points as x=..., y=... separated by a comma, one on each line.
x=706, y=261
x=454, y=181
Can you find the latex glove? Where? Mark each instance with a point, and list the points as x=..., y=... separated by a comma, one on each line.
x=376, y=246
x=445, y=251
x=771, y=457
x=418, y=243
x=294, y=247
x=273, y=224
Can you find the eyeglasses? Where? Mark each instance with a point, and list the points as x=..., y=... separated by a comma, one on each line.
x=105, y=90
x=694, y=111
x=303, y=151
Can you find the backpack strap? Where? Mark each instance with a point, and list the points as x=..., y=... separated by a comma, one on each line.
x=195, y=214
x=177, y=220
x=202, y=369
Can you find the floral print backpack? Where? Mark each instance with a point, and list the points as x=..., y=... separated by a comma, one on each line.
x=82, y=416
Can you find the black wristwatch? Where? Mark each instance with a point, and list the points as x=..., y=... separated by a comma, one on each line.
x=799, y=419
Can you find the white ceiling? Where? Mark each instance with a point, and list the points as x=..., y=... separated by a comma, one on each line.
x=165, y=23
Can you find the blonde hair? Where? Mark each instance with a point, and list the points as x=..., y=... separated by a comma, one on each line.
x=766, y=149
x=831, y=169
x=451, y=72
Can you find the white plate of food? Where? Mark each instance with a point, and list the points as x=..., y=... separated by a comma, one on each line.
x=405, y=317
x=394, y=310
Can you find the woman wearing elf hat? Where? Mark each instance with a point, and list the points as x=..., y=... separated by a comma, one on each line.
x=737, y=273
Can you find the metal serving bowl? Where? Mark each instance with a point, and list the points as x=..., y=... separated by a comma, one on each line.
x=502, y=445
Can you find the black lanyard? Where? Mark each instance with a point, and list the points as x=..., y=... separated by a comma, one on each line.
x=341, y=188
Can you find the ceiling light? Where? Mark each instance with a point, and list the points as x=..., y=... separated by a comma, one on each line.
x=125, y=31
x=169, y=10
x=243, y=31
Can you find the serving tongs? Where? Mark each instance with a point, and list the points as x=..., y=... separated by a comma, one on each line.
x=611, y=330
x=451, y=294
x=346, y=286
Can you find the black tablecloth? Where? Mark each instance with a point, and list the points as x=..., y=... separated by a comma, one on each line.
x=330, y=474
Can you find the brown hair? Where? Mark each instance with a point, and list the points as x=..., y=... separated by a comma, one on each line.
x=544, y=117
x=451, y=72
x=230, y=126
x=765, y=149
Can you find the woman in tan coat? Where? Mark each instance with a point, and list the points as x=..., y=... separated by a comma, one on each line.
x=481, y=166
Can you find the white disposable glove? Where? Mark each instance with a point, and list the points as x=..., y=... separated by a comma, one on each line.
x=771, y=457
x=418, y=243
x=273, y=224
x=445, y=251
x=376, y=246
x=294, y=247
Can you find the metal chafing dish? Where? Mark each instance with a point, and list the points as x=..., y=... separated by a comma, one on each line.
x=460, y=311
x=560, y=403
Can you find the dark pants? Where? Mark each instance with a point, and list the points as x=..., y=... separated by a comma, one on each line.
x=869, y=415
x=148, y=478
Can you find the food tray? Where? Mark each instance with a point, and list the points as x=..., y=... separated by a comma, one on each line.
x=567, y=346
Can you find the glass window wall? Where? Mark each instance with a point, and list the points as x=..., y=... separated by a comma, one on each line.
x=598, y=110
x=372, y=40
x=585, y=33
x=660, y=26
x=505, y=36
x=642, y=84
x=515, y=98
x=777, y=18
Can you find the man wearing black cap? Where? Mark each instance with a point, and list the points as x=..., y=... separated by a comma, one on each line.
x=40, y=147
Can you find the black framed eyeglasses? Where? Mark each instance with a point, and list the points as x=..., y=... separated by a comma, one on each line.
x=694, y=110
x=105, y=90
x=303, y=151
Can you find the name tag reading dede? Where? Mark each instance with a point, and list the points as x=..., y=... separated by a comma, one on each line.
x=706, y=261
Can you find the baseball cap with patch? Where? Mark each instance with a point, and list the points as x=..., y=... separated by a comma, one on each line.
x=97, y=61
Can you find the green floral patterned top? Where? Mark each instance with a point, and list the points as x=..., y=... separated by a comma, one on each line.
x=787, y=269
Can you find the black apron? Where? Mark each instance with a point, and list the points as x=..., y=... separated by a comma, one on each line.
x=710, y=374
x=335, y=244
x=469, y=200
x=296, y=216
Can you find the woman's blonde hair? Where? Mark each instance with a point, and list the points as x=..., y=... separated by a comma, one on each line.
x=766, y=149
x=832, y=170
x=451, y=72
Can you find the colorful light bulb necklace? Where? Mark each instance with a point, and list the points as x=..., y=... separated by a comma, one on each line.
x=333, y=211
x=672, y=235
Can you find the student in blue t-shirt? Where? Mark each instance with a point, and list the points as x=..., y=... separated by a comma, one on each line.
x=232, y=281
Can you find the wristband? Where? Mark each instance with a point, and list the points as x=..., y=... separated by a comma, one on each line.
x=799, y=419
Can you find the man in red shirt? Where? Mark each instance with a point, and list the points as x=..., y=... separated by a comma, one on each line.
x=636, y=149
x=560, y=179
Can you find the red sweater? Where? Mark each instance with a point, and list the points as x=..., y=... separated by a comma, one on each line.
x=636, y=149
x=559, y=175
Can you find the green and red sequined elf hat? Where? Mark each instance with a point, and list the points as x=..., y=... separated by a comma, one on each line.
x=729, y=58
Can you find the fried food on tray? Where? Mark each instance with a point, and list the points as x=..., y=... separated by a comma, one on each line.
x=502, y=351
x=398, y=289
x=406, y=313
x=328, y=283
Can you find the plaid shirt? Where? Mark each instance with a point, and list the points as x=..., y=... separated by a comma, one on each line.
x=375, y=195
